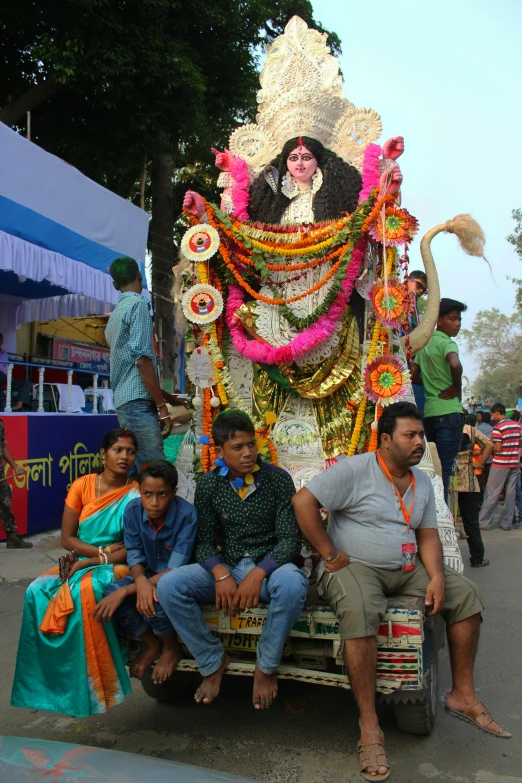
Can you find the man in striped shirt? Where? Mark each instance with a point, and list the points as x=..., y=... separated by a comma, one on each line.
x=507, y=441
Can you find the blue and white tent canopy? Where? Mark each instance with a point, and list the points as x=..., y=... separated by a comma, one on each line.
x=59, y=233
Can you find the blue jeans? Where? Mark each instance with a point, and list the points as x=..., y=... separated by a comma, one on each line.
x=418, y=391
x=446, y=432
x=130, y=621
x=181, y=590
x=141, y=417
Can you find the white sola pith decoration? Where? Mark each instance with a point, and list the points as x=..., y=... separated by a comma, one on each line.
x=202, y=303
x=200, y=242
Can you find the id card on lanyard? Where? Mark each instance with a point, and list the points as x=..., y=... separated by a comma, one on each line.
x=409, y=549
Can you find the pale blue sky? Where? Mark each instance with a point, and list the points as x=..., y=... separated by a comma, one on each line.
x=446, y=76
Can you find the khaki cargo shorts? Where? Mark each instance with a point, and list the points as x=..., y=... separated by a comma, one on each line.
x=358, y=594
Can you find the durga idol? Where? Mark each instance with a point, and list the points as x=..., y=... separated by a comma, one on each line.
x=309, y=228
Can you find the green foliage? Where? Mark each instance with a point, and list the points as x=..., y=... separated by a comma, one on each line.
x=515, y=239
x=138, y=75
x=495, y=340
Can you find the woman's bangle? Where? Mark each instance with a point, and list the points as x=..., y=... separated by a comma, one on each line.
x=223, y=577
x=162, y=418
x=102, y=561
x=163, y=405
x=332, y=558
x=106, y=549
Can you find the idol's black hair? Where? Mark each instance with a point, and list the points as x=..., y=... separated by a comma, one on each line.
x=338, y=194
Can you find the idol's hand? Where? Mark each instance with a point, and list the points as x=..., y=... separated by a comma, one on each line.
x=224, y=160
x=193, y=203
x=393, y=148
x=391, y=180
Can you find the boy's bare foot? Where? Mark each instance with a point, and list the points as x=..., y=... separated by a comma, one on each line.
x=209, y=688
x=171, y=655
x=265, y=689
x=140, y=664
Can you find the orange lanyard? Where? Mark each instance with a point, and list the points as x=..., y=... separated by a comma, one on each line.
x=406, y=514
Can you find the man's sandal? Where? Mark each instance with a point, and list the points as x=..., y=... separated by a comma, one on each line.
x=372, y=756
x=475, y=711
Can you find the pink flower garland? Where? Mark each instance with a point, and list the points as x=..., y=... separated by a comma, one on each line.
x=324, y=327
x=370, y=172
x=240, y=195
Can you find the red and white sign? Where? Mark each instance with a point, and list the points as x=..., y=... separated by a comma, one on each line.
x=76, y=352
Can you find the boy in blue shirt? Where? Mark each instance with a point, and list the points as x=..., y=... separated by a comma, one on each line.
x=159, y=534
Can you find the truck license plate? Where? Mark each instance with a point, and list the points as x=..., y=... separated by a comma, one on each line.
x=243, y=641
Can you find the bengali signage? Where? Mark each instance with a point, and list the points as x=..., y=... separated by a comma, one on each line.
x=81, y=354
x=54, y=450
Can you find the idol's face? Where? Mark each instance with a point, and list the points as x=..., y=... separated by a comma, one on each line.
x=301, y=164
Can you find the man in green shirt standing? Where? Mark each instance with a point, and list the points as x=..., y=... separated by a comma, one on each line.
x=438, y=368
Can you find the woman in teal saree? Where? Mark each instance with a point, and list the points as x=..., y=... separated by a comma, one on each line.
x=66, y=661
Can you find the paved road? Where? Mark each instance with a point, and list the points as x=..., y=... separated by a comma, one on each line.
x=318, y=746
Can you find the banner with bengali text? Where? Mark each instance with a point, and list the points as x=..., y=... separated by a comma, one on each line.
x=54, y=450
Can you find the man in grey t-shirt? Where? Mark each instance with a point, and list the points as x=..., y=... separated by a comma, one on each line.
x=382, y=539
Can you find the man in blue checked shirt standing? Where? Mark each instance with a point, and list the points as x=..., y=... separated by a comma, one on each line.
x=138, y=397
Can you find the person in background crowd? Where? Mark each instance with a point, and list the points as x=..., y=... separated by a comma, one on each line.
x=476, y=449
x=21, y=387
x=486, y=429
x=138, y=397
x=480, y=417
x=7, y=519
x=418, y=286
x=437, y=367
x=515, y=416
x=507, y=441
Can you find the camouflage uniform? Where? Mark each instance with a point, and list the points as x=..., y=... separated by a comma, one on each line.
x=7, y=519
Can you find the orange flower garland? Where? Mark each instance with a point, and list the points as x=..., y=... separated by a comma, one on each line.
x=266, y=299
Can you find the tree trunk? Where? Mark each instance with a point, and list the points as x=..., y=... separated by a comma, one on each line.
x=161, y=244
x=28, y=101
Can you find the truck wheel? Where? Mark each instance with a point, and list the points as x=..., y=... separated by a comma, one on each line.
x=179, y=686
x=419, y=717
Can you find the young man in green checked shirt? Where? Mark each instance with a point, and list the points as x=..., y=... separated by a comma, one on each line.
x=246, y=504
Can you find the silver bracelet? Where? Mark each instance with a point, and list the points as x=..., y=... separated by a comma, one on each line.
x=162, y=418
x=223, y=577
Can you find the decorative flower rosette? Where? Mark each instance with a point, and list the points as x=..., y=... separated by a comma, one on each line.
x=200, y=242
x=202, y=304
x=385, y=380
x=391, y=302
x=200, y=368
x=399, y=227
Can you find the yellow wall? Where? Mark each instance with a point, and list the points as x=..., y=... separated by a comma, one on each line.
x=82, y=330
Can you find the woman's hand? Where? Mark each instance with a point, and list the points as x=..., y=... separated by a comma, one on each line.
x=117, y=546
x=224, y=160
x=104, y=610
x=193, y=203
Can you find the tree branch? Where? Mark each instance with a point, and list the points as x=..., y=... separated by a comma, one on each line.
x=28, y=101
